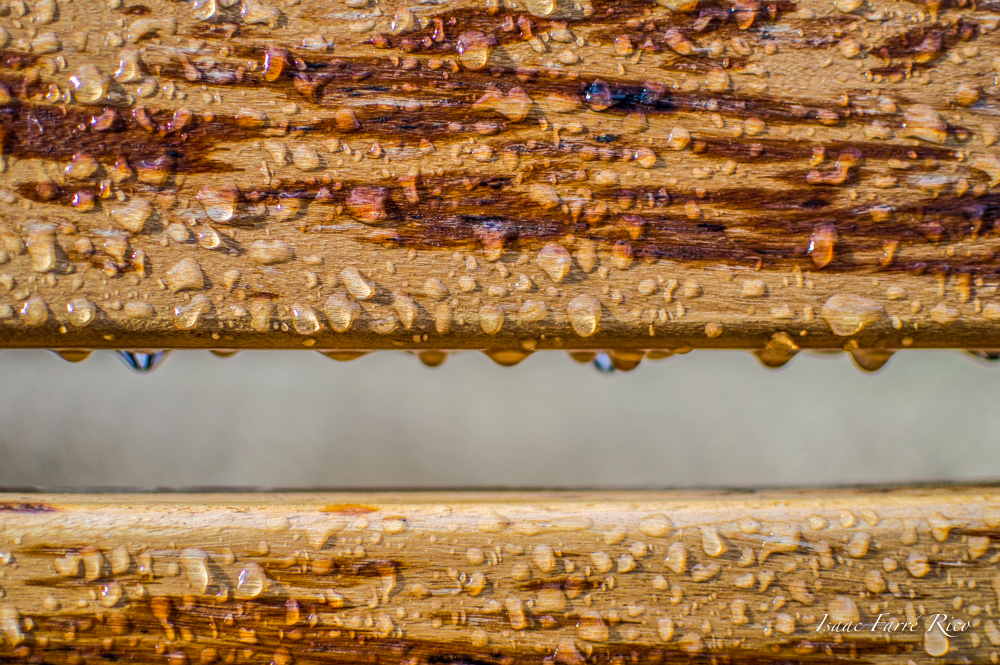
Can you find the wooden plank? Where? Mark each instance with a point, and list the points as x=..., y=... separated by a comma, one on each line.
x=511, y=175
x=507, y=578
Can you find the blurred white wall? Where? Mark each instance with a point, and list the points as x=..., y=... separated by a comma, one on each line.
x=297, y=419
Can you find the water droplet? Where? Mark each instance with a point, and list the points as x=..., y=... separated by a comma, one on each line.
x=68, y=566
x=251, y=582
x=754, y=288
x=514, y=106
x=544, y=195
x=774, y=360
x=781, y=344
x=544, y=558
x=269, y=252
x=600, y=360
x=555, y=261
x=847, y=314
x=625, y=361
x=34, y=312
x=779, y=539
x=871, y=360
x=357, y=284
x=344, y=356
x=177, y=232
x=586, y=255
x=474, y=49
x=110, y=594
x=935, y=641
x=275, y=60
x=562, y=102
x=717, y=80
x=540, y=8
x=89, y=84
x=81, y=167
x=261, y=311
x=848, y=47
x=442, y=318
x=679, y=138
x=145, y=27
x=566, y=653
x=665, y=628
x=507, y=357
x=208, y=238
x=42, y=247
x=821, y=244
x=286, y=209
x=10, y=624
x=121, y=561
x=142, y=361
x=406, y=309
x=990, y=165
x=843, y=609
x=591, y=627
x=184, y=275
x=341, y=312
x=491, y=318
x=133, y=215
x=346, y=120
x=532, y=311
x=515, y=613
x=230, y=278
x=432, y=357
x=584, y=314
x=656, y=525
x=278, y=152
x=203, y=10
x=46, y=11
x=305, y=158
x=73, y=355
x=129, y=66
x=367, y=204
x=920, y=121
x=186, y=316
x=402, y=21
x=304, y=320
x=292, y=612
x=678, y=5
x=195, y=563
x=219, y=201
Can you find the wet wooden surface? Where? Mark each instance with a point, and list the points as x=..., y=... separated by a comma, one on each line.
x=506, y=578
x=502, y=175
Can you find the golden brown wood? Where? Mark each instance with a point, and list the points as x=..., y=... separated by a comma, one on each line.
x=569, y=578
x=507, y=175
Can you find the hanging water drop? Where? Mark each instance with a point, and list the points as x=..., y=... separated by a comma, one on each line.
x=142, y=361
x=603, y=363
x=73, y=355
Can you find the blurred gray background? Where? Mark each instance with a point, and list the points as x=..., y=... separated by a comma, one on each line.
x=297, y=419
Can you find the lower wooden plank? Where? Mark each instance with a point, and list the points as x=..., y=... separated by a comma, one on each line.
x=904, y=576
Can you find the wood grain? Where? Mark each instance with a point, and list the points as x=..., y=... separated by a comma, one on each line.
x=508, y=176
x=507, y=578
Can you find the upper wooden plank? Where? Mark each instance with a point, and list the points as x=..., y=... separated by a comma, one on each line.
x=499, y=175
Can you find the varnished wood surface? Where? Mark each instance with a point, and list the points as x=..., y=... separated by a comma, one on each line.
x=501, y=175
x=506, y=578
